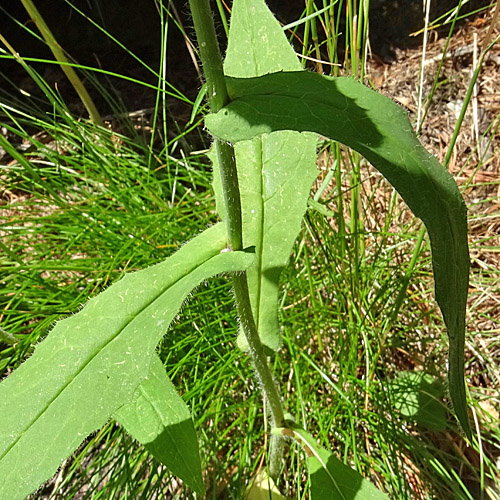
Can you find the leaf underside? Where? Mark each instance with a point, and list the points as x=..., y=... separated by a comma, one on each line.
x=275, y=171
x=262, y=487
x=347, y=111
x=160, y=420
x=92, y=363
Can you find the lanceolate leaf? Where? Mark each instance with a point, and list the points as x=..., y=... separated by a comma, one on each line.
x=275, y=171
x=92, y=363
x=347, y=111
x=257, y=44
x=160, y=420
x=330, y=478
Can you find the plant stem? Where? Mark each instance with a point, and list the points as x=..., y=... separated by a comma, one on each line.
x=256, y=349
x=218, y=97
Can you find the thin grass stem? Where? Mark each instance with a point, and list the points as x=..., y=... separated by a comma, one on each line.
x=467, y=99
x=61, y=58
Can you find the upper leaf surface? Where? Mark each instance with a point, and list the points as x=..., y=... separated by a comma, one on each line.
x=257, y=44
x=333, y=480
x=345, y=110
x=275, y=171
x=330, y=478
x=91, y=363
x=160, y=420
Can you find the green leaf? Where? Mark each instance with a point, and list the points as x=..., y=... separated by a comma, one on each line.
x=257, y=44
x=347, y=111
x=160, y=420
x=91, y=363
x=275, y=171
x=263, y=488
x=418, y=397
x=330, y=478
x=333, y=480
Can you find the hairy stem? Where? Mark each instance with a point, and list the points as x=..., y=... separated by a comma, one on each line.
x=256, y=349
x=218, y=97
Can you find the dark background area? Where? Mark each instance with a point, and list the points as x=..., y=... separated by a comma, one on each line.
x=136, y=25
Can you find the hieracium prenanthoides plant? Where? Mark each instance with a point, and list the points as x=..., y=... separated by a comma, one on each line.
x=266, y=114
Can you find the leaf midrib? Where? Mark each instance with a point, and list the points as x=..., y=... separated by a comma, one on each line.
x=261, y=234
x=91, y=358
